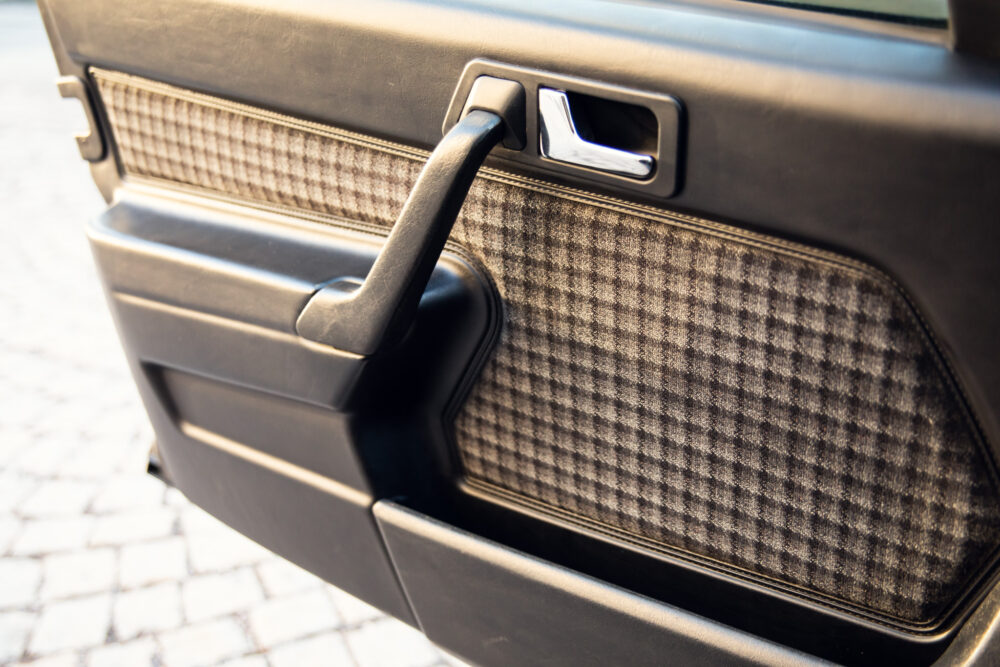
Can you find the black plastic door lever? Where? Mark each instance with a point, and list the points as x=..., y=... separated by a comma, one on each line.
x=367, y=318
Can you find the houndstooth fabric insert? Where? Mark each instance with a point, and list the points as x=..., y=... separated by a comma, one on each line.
x=739, y=402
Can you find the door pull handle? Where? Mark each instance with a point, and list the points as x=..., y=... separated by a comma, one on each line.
x=366, y=316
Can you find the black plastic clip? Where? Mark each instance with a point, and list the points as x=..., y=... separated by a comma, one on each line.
x=91, y=144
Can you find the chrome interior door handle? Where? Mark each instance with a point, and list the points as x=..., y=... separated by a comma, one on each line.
x=560, y=141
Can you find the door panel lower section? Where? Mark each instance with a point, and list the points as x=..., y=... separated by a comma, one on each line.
x=323, y=526
x=286, y=440
x=496, y=606
x=299, y=433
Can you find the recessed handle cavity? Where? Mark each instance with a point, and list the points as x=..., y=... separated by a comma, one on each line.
x=559, y=140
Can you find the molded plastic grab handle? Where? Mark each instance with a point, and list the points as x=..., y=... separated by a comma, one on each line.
x=366, y=319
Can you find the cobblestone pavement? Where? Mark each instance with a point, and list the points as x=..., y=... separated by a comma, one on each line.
x=100, y=564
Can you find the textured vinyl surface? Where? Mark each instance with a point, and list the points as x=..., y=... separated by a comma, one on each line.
x=731, y=399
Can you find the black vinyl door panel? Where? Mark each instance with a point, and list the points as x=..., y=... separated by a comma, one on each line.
x=743, y=408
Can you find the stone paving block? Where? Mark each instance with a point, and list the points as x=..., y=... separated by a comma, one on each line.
x=64, y=381
x=13, y=442
x=451, y=661
x=287, y=618
x=69, y=659
x=281, y=577
x=137, y=452
x=247, y=661
x=352, y=610
x=22, y=408
x=58, y=497
x=9, y=528
x=15, y=627
x=131, y=654
x=214, y=595
x=196, y=521
x=174, y=498
x=71, y=574
x=44, y=536
x=151, y=562
x=71, y=624
x=131, y=527
x=388, y=643
x=118, y=434
x=129, y=492
x=95, y=462
x=14, y=488
x=327, y=649
x=204, y=644
x=19, y=580
x=46, y=455
x=145, y=610
x=223, y=550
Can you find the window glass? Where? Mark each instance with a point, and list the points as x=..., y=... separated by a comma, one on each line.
x=931, y=12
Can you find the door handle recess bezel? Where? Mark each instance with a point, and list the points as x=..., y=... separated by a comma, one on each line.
x=668, y=111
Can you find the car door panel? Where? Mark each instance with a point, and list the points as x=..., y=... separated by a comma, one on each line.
x=754, y=406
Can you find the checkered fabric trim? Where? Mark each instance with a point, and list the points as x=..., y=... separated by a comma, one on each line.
x=729, y=398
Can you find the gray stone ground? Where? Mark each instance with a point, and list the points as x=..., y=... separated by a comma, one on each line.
x=101, y=565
